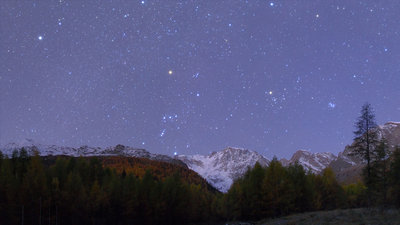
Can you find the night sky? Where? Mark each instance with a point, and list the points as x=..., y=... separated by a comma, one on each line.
x=189, y=77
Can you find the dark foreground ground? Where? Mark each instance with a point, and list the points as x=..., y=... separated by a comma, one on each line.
x=337, y=217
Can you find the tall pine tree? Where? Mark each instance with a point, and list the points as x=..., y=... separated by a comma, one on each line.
x=365, y=140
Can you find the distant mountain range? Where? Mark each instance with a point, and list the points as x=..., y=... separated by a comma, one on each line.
x=118, y=150
x=221, y=168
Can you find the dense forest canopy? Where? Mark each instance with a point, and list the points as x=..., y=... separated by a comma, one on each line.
x=120, y=190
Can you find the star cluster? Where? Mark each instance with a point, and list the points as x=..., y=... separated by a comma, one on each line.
x=189, y=77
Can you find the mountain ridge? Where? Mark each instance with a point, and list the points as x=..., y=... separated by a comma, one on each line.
x=118, y=150
x=314, y=162
x=348, y=167
x=221, y=168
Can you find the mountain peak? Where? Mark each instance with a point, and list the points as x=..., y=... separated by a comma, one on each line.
x=390, y=126
x=229, y=148
x=315, y=162
x=24, y=142
x=221, y=168
x=300, y=153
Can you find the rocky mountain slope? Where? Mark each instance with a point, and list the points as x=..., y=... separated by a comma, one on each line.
x=315, y=162
x=118, y=150
x=348, y=167
x=221, y=168
x=391, y=132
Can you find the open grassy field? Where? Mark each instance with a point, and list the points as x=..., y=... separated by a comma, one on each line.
x=340, y=217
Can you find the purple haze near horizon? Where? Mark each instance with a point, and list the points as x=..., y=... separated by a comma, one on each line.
x=193, y=77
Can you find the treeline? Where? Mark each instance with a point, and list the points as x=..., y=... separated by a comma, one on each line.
x=85, y=190
x=160, y=170
x=275, y=191
x=81, y=191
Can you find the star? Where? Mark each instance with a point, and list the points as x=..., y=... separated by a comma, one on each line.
x=162, y=133
x=114, y=77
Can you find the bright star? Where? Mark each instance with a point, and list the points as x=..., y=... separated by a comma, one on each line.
x=175, y=153
x=142, y=2
x=170, y=72
x=270, y=93
x=40, y=37
x=271, y=4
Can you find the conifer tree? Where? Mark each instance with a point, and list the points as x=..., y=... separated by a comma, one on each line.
x=379, y=171
x=365, y=140
x=394, y=177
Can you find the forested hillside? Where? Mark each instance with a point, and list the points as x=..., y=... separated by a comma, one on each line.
x=126, y=190
x=100, y=190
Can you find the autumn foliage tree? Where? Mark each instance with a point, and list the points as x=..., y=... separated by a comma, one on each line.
x=93, y=190
x=394, y=178
x=69, y=190
x=276, y=191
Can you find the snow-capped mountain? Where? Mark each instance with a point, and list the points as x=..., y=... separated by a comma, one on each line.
x=315, y=162
x=118, y=150
x=221, y=168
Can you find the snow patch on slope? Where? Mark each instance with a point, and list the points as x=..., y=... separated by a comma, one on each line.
x=221, y=168
x=315, y=162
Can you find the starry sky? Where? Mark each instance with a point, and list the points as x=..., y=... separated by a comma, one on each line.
x=192, y=77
